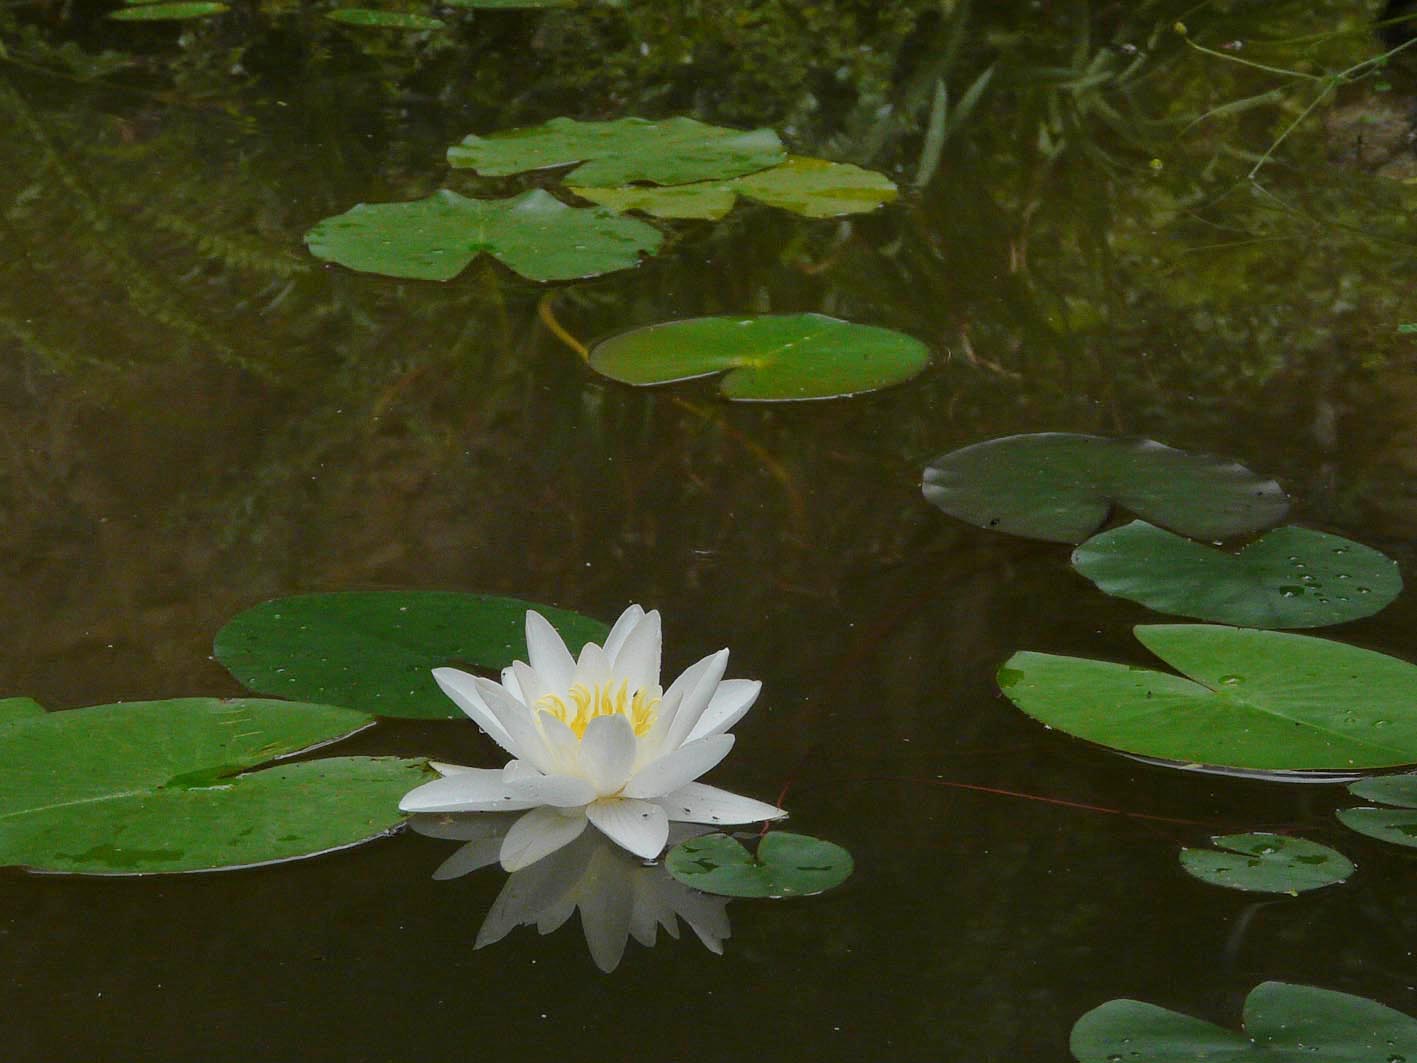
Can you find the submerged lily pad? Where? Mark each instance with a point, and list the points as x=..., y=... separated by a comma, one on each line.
x=435, y=238
x=1291, y=577
x=158, y=786
x=773, y=358
x=1060, y=487
x=785, y=865
x=675, y=151
x=1397, y=825
x=1258, y=700
x=376, y=650
x=384, y=20
x=1267, y=863
x=510, y=3
x=161, y=12
x=1284, y=1023
x=814, y=188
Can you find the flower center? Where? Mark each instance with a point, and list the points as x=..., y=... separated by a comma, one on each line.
x=606, y=699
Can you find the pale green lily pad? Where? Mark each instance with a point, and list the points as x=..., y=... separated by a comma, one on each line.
x=1284, y=1023
x=675, y=151
x=384, y=20
x=435, y=238
x=772, y=358
x=1267, y=863
x=785, y=865
x=376, y=650
x=164, y=12
x=814, y=188
x=158, y=786
x=1060, y=487
x=1254, y=700
x=1396, y=825
x=1291, y=577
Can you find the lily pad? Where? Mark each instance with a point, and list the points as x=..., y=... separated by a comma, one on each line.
x=154, y=786
x=675, y=151
x=1257, y=700
x=815, y=188
x=1060, y=487
x=435, y=238
x=785, y=865
x=1291, y=577
x=510, y=3
x=1267, y=863
x=1396, y=825
x=19, y=709
x=384, y=20
x=376, y=650
x=773, y=358
x=1284, y=1023
x=159, y=12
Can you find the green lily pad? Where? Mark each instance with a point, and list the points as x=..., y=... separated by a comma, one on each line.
x=785, y=865
x=384, y=20
x=1254, y=700
x=435, y=238
x=160, y=12
x=1060, y=487
x=1396, y=825
x=815, y=188
x=153, y=786
x=510, y=3
x=1284, y=1023
x=19, y=709
x=1267, y=863
x=675, y=151
x=773, y=358
x=376, y=650
x=1291, y=577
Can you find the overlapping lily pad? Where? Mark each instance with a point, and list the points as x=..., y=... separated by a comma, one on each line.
x=376, y=650
x=674, y=151
x=1060, y=487
x=1284, y=1023
x=161, y=786
x=772, y=358
x=1398, y=824
x=785, y=865
x=1292, y=577
x=435, y=238
x=161, y=12
x=376, y=18
x=1267, y=863
x=1254, y=700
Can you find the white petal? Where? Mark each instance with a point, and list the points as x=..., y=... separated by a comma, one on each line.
x=623, y=626
x=450, y=769
x=515, y=718
x=547, y=653
x=593, y=667
x=639, y=826
x=608, y=752
x=475, y=790
x=462, y=688
x=565, y=747
x=696, y=802
x=673, y=701
x=561, y=791
x=539, y=833
x=638, y=659
x=682, y=766
x=511, y=686
x=696, y=700
x=473, y=856
x=730, y=702
x=530, y=684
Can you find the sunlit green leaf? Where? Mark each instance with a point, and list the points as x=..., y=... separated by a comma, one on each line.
x=1396, y=825
x=1267, y=863
x=164, y=12
x=785, y=865
x=385, y=20
x=376, y=650
x=770, y=358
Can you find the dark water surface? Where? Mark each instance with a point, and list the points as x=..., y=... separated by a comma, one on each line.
x=195, y=416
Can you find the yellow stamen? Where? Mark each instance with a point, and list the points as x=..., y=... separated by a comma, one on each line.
x=605, y=699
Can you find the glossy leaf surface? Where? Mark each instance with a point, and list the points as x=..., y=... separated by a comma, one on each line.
x=1267, y=863
x=785, y=865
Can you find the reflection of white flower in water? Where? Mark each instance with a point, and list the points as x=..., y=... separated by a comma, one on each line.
x=598, y=740
x=618, y=896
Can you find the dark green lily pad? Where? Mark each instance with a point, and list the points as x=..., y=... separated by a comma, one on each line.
x=1283, y=1024
x=785, y=865
x=1396, y=825
x=161, y=12
x=384, y=20
x=1060, y=487
x=376, y=650
x=435, y=238
x=773, y=358
x=675, y=151
x=1267, y=863
x=1255, y=700
x=158, y=786
x=1291, y=577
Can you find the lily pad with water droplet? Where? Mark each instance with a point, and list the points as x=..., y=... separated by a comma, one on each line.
x=1257, y=700
x=1284, y=1023
x=785, y=865
x=375, y=18
x=772, y=358
x=674, y=151
x=164, y=12
x=1060, y=487
x=1397, y=825
x=1291, y=577
x=1267, y=863
x=435, y=238
x=162, y=786
x=376, y=650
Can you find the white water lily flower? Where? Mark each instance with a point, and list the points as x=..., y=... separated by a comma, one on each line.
x=597, y=740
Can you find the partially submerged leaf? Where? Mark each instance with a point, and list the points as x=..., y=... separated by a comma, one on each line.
x=165, y=12
x=385, y=20
x=1267, y=863
x=785, y=865
x=1396, y=825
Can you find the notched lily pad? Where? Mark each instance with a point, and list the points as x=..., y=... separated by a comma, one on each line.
x=1060, y=487
x=772, y=358
x=1267, y=863
x=384, y=20
x=785, y=865
x=1397, y=825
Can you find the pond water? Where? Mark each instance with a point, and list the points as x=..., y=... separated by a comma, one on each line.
x=1126, y=231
